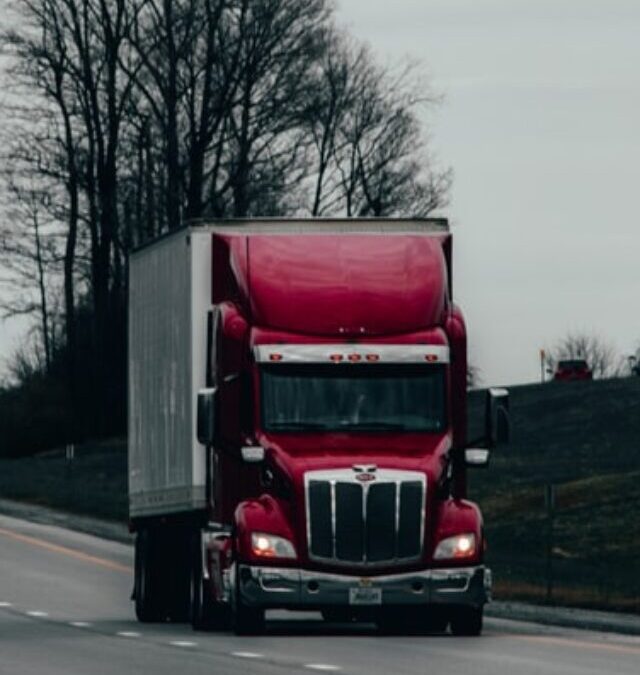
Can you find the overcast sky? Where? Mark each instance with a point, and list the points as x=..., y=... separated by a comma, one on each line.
x=541, y=124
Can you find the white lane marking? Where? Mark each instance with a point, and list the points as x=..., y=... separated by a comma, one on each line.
x=37, y=613
x=322, y=666
x=128, y=634
x=5, y=604
x=80, y=624
x=247, y=655
x=183, y=643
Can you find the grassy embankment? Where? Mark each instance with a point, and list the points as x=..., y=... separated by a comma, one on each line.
x=93, y=483
x=582, y=437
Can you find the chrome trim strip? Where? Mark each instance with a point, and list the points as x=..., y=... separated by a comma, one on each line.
x=334, y=548
x=396, y=543
x=321, y=353
x=291, y=587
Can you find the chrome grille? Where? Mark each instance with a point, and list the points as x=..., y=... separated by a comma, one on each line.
x=371, y=523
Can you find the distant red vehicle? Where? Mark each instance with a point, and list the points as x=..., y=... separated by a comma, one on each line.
x=573, y=369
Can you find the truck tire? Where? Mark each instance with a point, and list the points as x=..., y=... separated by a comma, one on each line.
x=467, y=621
x=149, y=605
x=205, y=612
x=176, y=575
x=411, y=621
x=434, y=622
x=246, y=620
x=200, y=605
x=337, y=615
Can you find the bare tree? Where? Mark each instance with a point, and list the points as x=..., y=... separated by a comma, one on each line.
x=473, y=376
x=281, y=42
x=370, y=152
x=135, y=114
x=28, y=246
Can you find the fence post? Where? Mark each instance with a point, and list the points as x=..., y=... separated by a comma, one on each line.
x=550, y=503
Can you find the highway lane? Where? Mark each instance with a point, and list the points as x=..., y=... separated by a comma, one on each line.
x=64, y=608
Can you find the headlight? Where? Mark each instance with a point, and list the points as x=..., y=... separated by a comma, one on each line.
x=455, y=548
x=270, y=546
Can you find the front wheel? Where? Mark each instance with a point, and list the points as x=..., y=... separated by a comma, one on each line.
x=246, y=620
x=206, y=614
x=467, y=621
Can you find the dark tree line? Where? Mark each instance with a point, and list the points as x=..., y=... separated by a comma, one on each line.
x=128, y=117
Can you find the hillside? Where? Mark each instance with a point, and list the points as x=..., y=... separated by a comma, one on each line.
x=583, y=437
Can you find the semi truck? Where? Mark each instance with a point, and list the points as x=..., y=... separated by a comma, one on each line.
x=298, y=427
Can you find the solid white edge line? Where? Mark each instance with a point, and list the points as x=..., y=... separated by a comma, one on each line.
x=247, y=655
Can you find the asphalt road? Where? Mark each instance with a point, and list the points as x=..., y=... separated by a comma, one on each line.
x=65, y=609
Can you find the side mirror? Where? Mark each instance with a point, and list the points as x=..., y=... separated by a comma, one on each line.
x=497, y=417
x=477, y=457
x=206, y=420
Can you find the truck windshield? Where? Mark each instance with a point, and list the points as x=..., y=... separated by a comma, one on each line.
x=354, y=398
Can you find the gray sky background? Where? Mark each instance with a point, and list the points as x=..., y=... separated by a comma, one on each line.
x=541, y=124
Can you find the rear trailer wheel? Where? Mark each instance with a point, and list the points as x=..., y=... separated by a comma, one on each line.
x=177, y=575
x=467, y=621
x=149, y=605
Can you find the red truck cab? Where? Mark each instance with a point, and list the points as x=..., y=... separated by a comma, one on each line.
x=332, y=418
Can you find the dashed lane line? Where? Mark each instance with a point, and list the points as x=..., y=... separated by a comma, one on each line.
x=128, y=634
x=247, y=655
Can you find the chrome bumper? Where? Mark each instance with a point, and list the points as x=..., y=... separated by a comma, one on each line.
x=271, y=587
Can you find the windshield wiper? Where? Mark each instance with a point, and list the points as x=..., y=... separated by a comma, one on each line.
x=391, y=426
x=311, y=426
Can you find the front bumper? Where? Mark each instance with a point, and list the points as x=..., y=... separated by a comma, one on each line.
x=287, y=588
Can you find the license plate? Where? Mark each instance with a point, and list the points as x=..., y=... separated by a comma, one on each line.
x=365, y=596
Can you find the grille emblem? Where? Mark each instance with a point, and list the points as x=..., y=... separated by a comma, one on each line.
x=365, y=477
x=365, y=474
